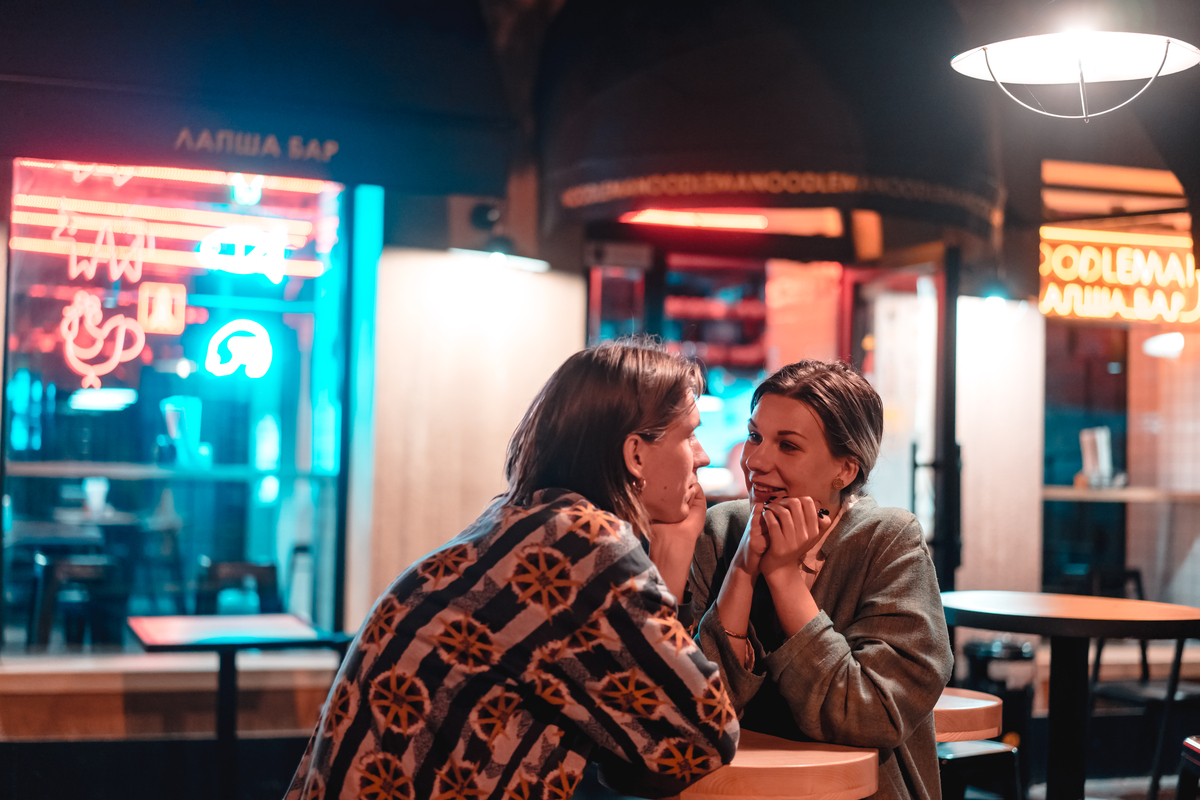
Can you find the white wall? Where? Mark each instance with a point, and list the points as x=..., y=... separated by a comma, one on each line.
x=1001, y=419
x=462, y=346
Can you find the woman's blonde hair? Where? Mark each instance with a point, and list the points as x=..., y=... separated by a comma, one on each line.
x=573, y=435
x=849, y=408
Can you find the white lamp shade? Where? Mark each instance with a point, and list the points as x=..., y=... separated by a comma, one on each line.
x=1057, y=57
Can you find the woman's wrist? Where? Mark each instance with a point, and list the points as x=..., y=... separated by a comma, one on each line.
x=745, y=565
x=794, y=603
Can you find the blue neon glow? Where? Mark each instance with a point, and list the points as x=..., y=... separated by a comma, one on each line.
x=268, y=490
x=247, y=194
x=248, y=344
x=266, y=443
x=105, y=399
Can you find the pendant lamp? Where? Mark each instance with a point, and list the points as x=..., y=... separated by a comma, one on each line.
x=1077, y=57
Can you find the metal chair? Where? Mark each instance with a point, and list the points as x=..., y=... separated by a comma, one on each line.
x=86, y=588
x=962, y=718
x=1143, y=692
x=218, y=575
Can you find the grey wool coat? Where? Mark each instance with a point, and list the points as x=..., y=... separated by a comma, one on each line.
x=867, y=670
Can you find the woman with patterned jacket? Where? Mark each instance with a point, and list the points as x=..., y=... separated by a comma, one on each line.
x=545, y=634
x=823, y=608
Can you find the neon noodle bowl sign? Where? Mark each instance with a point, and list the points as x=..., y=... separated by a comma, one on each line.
x=1117, y=275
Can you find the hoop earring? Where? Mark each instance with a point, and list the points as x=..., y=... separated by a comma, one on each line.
x=837, y=484
x=640, y=483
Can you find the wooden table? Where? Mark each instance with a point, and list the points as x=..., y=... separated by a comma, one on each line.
x=1070, y=621
x=769, y=767
x=225, y=635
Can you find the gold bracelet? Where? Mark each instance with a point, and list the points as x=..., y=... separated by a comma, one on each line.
x=735, y=635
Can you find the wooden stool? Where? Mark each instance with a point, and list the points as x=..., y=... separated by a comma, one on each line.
x=962, y=715
x=1189, y=769
x=963, y=764
x=769, y=767
x=962, y=719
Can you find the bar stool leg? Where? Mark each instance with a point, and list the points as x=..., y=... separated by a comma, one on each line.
x=1189, y=785
x=227, y=766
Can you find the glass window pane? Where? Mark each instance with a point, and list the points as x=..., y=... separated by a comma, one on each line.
x=174, y=368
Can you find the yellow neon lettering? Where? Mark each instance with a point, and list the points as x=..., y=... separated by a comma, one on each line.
x=1191, y=316
x=1117, y=305
x=1144, y=266
x=1125, y=270
x=1065, y=262
x=1107, y=273
x=1046, y=252
x=1172, y=271
x=1072, y=298
x=1089, y=264
x=1191, y=270
x=1172, y=314
x=1141, y=304
x=1051, y=299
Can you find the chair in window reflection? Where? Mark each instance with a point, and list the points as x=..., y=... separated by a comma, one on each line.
x=85, y=590
x=226, y=586
x=1152, y=695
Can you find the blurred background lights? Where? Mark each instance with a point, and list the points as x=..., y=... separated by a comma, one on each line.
x=499, y=259
x=104, y=399
x=1165, y=345
x=268, y=490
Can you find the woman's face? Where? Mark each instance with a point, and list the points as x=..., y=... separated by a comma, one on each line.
x=786, y=454
x=669, y=466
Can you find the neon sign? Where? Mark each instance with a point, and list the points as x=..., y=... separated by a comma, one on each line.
x=1116, y=275
x=130, y=266
x=248, y=344
x=162, y=307
x=245, y=251
x=85, y=311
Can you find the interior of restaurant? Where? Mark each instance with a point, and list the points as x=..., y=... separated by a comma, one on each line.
x=265, y=410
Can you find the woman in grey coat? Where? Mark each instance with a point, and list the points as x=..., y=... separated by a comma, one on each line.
x=821, y=608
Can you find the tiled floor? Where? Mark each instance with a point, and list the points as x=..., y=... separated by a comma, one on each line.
x=1116, y=789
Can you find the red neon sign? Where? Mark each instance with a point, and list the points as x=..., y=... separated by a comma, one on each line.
x=697, y=219
x=90, y=240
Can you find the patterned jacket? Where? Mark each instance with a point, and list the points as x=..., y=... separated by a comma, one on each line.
x=495, y=668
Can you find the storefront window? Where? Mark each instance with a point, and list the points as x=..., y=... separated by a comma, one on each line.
x=173, y=368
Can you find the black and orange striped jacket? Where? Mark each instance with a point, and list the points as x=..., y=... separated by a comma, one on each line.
x=494, y=668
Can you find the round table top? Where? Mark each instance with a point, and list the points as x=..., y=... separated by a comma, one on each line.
x=962, y=715
x=1070, y=615
x=770, y=767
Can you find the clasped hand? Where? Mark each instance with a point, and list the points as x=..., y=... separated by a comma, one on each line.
x=779, y=534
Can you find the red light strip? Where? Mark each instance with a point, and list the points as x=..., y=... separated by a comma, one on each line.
x=203, y=176
x=187, y=233
x=696, y=219
x=298, y=268
x=216, y=219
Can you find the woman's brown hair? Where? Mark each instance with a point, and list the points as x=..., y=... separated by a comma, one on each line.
x=849, y=408
x=573, y=435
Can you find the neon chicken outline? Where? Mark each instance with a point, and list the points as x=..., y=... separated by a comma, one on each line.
x=85, y=309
